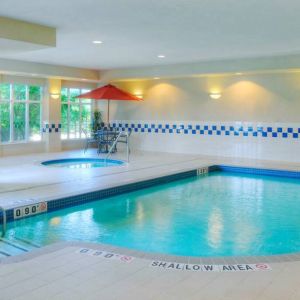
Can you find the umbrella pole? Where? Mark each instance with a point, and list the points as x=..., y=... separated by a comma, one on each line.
x=108, y=112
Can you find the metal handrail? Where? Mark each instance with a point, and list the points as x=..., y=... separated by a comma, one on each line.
x=3, y=220
x=121, y=134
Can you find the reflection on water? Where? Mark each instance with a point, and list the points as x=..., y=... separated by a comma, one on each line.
x=215, y=228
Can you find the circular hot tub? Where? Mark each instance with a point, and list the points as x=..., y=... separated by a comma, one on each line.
x=82, y=163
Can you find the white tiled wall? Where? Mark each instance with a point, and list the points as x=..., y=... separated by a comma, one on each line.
x=271, y=141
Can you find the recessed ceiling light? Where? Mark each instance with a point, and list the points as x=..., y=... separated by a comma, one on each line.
x=161, y=56
x=97, y=42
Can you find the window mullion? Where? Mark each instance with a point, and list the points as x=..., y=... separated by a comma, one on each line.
x=80, y=119
x=41, y=110
x=0, y=126
x=11, y=108
x=68, y=117
x=27, y=115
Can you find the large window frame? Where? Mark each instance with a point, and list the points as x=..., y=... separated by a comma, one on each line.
x=81, y=130
x=12, y=101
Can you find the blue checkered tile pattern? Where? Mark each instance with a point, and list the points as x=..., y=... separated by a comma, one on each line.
x=264, y=131
x=51, y=128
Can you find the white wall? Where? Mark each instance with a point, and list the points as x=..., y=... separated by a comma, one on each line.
x=267, y=100
x=21, y=148
x=253, y=100
x=72, y=144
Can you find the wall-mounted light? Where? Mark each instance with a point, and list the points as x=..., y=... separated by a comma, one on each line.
x=138, y=93
x=215, y=96
x=139, y=96
x=55, y=96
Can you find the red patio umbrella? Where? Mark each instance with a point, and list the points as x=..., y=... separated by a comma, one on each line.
x=109, y=92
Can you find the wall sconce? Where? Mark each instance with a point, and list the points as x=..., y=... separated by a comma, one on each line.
x=139, y=96
x=55, y=96
x=215, y=96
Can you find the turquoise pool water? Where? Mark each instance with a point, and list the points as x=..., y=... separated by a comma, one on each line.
x=82, y=163
x=220, y=214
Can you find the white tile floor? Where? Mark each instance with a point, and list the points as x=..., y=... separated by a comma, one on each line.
x=61, y=273
x=65, y=274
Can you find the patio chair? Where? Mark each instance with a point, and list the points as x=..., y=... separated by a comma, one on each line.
x=93, y=139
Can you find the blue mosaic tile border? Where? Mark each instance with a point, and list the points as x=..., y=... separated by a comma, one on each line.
x=212, y=130
x=51, y=128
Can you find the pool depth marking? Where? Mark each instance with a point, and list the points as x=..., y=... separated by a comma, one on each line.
x=30, y=210
x=210, y=268
x=105, y=254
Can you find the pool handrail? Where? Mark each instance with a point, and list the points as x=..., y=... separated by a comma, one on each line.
x=120, y=135
x=3, y=220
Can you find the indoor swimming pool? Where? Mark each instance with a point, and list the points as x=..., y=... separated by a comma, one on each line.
x=217, y=214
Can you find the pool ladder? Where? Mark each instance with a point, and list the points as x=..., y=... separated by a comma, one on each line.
x=2, y=209
x=122, y=137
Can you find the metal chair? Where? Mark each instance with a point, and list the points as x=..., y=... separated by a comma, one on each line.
x=89, y=140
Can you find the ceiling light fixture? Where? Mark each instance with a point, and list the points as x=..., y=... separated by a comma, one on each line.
x=97, y=42
x=238, y=73
x=156, y=78
x=161, y=56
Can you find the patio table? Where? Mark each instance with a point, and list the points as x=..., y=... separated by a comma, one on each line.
x=105, y=138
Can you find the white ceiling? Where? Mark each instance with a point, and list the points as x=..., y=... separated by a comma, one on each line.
x=134, y=32
x=11, y=47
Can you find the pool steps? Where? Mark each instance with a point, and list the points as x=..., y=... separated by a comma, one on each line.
x=15, y=246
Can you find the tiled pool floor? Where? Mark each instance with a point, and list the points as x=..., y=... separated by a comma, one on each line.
x=61, y=273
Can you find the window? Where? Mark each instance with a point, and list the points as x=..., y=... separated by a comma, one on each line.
x=76, y=114
x=20, y=112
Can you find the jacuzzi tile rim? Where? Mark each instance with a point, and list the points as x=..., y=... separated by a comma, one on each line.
x=56, y=204
x=48, y=163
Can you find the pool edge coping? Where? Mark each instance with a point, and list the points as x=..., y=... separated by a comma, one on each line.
x=221, y=260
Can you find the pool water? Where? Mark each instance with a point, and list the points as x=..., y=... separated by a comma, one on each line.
x=220, y=214
x=82, y=163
